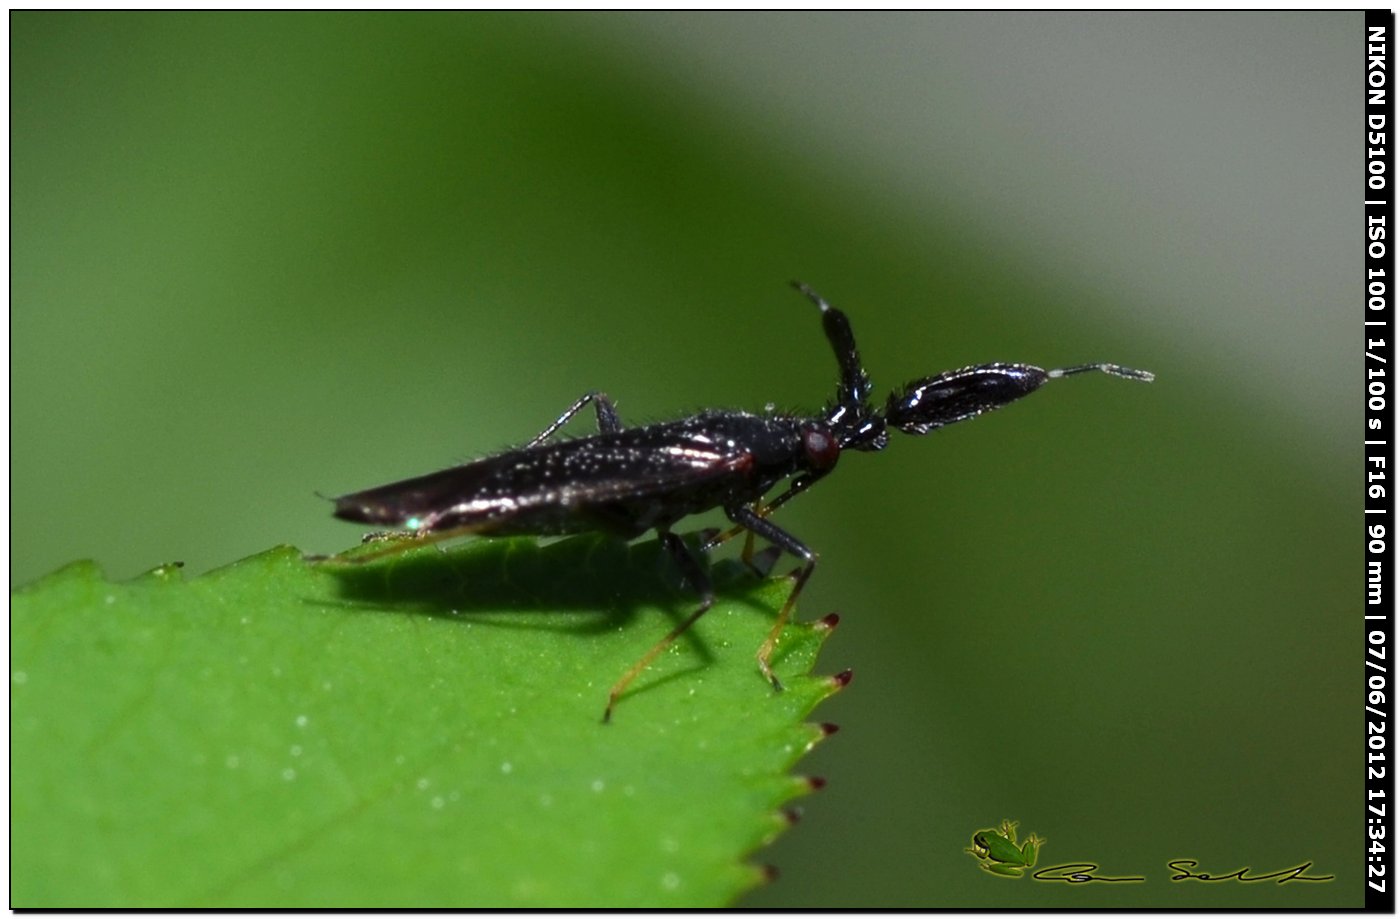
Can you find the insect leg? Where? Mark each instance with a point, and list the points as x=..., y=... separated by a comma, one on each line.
x=694, y=575
x=775, y=534
x=393, y=542
x=608, y=422
x=799, y=485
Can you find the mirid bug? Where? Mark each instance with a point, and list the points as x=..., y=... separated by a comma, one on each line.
x=626, y=481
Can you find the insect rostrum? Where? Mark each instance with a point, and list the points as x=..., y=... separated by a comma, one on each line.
x=626, y=481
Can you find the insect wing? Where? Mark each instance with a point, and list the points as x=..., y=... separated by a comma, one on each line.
x=409, y=502
x=633, y=465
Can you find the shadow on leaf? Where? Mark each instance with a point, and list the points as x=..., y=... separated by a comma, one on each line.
x=583, y=574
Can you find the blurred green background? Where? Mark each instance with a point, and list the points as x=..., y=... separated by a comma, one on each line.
x=257, y=255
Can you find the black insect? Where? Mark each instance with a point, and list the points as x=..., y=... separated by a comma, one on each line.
x=626, y=481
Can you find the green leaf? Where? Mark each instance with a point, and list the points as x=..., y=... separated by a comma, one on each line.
x=423, y=730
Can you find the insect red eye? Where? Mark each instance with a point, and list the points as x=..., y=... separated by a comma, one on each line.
x=821, y=448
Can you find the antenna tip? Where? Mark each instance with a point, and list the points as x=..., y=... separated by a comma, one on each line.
x=811, y=294
x=1117, y=370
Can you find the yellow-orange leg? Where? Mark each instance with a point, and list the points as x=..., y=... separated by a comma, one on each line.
x=694, y=574
x=621, y=685
x=770, y=644
x=751, y=521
